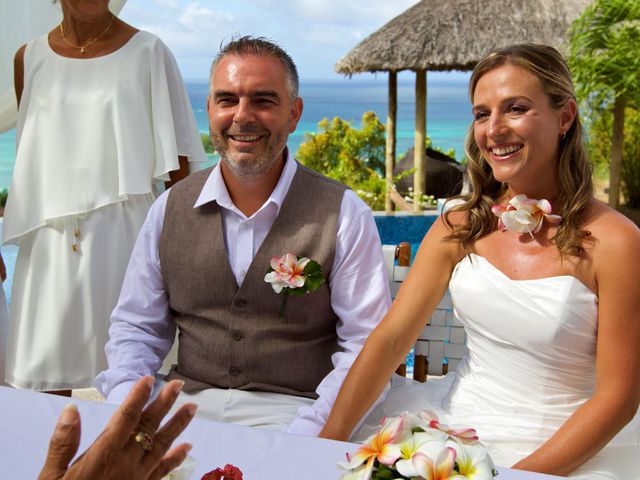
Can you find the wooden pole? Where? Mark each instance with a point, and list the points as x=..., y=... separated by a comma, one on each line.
x=616, y=152
x=419, y=159
x=391, y=138
x=403, y=256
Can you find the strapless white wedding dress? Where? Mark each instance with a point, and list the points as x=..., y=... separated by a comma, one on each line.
x=531, y=364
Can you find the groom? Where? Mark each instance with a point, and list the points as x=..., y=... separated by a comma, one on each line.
x=200, y=261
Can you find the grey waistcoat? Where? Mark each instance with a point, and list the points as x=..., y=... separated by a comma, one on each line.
x=230, y=336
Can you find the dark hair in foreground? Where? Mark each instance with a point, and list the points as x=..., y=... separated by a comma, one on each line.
x=248, y=45
x=574, y=168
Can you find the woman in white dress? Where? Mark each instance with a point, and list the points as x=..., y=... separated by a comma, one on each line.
x=550, y=298
x=103, y=114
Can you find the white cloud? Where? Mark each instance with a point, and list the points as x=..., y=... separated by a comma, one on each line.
x=317, y=33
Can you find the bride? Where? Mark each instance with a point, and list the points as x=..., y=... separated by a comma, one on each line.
x=548, y=291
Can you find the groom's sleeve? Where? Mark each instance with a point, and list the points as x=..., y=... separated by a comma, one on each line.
x=142, y=329
x=360, y=297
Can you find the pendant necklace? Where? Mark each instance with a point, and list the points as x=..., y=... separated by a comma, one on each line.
x=91, y=42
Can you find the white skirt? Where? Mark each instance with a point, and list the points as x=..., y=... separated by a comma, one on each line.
x=62, y=297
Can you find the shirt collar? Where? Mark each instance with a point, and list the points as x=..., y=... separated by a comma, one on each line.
x=216, y=190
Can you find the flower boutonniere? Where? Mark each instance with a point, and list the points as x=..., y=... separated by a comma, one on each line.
x=289, y=275
x=524, y=215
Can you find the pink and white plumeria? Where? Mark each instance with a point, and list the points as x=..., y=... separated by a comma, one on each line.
x=419, y=446
x=381, y=447
x=524, y=215
x=287, y=272
x=440, y=468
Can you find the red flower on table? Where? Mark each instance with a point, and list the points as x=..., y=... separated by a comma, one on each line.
x=229, y=472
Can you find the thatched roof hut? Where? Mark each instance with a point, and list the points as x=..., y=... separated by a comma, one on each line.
x=453, y=35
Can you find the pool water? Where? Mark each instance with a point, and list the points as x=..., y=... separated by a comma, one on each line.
x=401, y=227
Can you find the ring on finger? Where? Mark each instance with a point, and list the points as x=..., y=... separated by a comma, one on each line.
x=144, y=440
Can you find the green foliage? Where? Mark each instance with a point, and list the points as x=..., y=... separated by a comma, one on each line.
x=449, y=153
x=604, y=50
x=599, y=126
x=206, y=143
x=4, y=194
x=631, y=159
x=598, y=122
x=313, y=279
x=355, y=157
x=385, y=473
x=605, y=64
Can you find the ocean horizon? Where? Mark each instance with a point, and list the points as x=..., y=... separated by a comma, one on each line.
x=448, y=111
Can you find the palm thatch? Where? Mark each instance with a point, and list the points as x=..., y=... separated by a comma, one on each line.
x=456, y=34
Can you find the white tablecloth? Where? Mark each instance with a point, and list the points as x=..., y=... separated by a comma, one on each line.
x=28, y=418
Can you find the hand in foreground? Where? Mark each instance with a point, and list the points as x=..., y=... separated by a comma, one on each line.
x=131, y=445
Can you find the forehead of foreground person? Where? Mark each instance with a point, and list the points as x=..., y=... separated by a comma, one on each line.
x=259, y=47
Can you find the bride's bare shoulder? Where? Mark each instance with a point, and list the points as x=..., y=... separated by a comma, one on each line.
x=614, y=235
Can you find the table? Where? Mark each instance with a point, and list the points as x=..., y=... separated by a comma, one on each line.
x=27, y=420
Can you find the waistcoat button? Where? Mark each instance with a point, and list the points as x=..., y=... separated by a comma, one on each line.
x=237, y=336
x=234, y=371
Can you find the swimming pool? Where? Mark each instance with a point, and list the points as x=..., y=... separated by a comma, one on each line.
x=396, y=227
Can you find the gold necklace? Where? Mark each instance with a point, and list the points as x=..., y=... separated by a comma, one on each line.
x=91, y=42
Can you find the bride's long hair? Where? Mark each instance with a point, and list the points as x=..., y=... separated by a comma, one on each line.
x=575, y=169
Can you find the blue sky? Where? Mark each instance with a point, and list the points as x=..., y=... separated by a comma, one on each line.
x=316, y=33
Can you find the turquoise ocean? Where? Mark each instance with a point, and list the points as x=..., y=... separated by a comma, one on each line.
x=448, y=111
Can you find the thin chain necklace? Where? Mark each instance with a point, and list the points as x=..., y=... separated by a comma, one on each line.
x=90, y=42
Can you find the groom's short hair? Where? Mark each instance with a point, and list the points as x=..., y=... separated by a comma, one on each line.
x=248, y=45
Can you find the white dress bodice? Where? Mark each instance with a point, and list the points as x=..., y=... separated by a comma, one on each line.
x=531, y=365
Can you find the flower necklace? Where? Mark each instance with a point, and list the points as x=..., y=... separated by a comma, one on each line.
x=524, y=215
x=91, y=42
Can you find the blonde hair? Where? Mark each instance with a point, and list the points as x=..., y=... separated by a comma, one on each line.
x=575, y=169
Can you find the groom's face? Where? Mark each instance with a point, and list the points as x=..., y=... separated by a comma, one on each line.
x=251, y=112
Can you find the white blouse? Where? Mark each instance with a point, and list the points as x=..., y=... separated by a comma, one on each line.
x=91, y=131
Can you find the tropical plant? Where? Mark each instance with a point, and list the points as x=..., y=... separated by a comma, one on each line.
x=206, y=143
x=631, y=163
x=355, y=157
x=604, y=61
x=599, y=121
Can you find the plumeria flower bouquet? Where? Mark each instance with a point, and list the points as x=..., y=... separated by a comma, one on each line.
x=524, y=215
x=289, y=275
x=420, y=447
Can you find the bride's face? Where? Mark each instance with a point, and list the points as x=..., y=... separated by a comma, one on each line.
x=516, y=128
